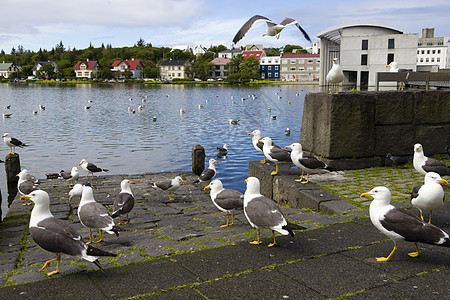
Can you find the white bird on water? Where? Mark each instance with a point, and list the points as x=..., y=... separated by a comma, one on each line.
x=335, y=76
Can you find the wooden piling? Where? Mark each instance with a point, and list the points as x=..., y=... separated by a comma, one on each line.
x=198, y=159
x=12, y=168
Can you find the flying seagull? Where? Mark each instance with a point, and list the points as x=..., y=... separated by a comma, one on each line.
x=401, y=225
x=273, y=29
x=57, y=236
x=12, y=142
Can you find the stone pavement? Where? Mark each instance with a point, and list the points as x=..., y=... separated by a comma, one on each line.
x=176, y=249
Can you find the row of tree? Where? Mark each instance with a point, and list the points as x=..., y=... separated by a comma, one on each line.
x=151, y=57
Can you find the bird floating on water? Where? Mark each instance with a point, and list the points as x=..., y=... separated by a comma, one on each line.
x=273, y=29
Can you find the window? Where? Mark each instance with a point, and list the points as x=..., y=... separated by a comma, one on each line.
x=421, y=60
x=292, y=68
x=302, y=61
x=418, y=52
x=310, y=68
x=391, y=44
x=439, y=51
x=438, y=59
x=269, y=67
x=276, y=68
x=301, y=68
x=363, y=59
x=427, y=60
x=310, y=61
x=365, y=44
x=284, y=69
x=293, y=61
x=432, y=59
x=263, y=68
x=428, y=51
x=390, y=58
x=285, y=61
x=179, y=74
x=423, y=51
x=434, y=51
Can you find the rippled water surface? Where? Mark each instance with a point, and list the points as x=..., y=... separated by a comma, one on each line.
x=112, y=137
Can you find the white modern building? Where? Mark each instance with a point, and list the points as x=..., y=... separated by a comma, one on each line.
x=432, y=52
x=363, y=49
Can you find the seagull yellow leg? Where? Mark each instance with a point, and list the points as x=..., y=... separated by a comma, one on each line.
x=307, y=178
x=128, y=221
x=170, y=196
x=232, y=218
x=429, y=219
x=331, y=89
x=47, y=264
x=415, y=254
x=263, y=161
x=274, y=242
x=90, y=237
x=257, y=242
x=120, y=222
x=421, y=215
x=226, y=225
x=276, y=170
x=301, y=177
x=381, y=259
x=101, y=236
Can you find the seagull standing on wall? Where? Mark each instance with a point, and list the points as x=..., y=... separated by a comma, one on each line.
x=273, y=29
x=335, y=76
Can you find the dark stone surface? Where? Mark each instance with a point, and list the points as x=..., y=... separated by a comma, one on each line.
x=392, y=107
x=395, y=139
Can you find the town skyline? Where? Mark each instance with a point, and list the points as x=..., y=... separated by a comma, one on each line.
x=171, y=23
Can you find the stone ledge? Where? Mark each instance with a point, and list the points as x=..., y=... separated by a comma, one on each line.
x=283, y=189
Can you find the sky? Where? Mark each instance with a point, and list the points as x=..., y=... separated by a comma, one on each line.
x=44, y=23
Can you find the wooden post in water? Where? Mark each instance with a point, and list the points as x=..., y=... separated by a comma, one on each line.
x=12, y=168
x=198, y=159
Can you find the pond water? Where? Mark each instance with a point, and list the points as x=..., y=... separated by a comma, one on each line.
x=112, y=137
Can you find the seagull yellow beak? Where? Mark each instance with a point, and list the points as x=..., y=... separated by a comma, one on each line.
x=25, y=197
x=366, y=195
x=245, y=180
x=183, y=181
x=132, y=182
x=17, y=175
x=387, y=66
x=79, y=164
x=287, y=147
x=206, y=188
x=260, y=141
x=250, y=133
x=442, y=180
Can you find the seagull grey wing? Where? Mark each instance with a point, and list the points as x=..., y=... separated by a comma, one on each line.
x=230, y=199
x=164, y=185
x=312, y=163
x=27, y=187
x=93, y=168
x=65, y=174
x=411, y=227
x=124, y=203
x=289, y=21
x=57, y=236
x=94, y=215
x=207, y=174
x=246, y=27
x=263, y=212
x=280, y=154
x=415, y=191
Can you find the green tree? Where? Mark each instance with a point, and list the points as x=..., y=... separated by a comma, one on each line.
x=293, y=49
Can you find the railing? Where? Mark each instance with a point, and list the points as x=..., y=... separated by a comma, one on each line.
x=428, y=79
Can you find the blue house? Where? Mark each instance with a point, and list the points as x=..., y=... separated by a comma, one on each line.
x=269, y=67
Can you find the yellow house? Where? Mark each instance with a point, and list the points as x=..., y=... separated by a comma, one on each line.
x=86, y=69
x=171, y=69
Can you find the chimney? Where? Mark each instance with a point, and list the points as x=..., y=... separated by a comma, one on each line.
x=428, y=33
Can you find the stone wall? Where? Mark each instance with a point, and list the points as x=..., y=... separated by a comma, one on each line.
x=356, y=129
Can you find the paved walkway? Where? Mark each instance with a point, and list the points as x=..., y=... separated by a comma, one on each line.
x=176, y=249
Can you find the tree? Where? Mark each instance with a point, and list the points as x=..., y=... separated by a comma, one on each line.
x=293, y=49
x=140, y=43
x=243, y=70
x=46, y=71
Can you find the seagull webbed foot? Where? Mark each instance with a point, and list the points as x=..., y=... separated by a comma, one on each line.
x=256, y=243
x=382, y=259
x=272, y=244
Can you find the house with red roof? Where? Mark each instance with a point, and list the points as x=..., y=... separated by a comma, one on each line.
x=135, y=66
x=220, y=67
x=300, y=67
x=257, y=54
x=86, y=69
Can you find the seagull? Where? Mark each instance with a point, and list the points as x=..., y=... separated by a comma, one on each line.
x=401, y=225
x=90, y=168
x=94, y=215
x=287, y=132
x=71, y=176
x=424, y=164
x=124, y=202
x=397, y=160
x=257, y=144
x=12, y=142
x=233, y=122
x=223, y=150
x=41, y=107
x=6, y=116
x=335, y=76
x=57, y=236
x=261, y=212
x=393, y=67
x=226, y=200
x=430, y=195
x=274, y=153
x=209, y=173
x=305, y=162
x=8, y=106
x=273, y=29
x=169, y=185
x=27, y=183
x=77, y=190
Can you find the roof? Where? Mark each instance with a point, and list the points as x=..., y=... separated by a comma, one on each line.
x=5, y=66
x=256, y=54
x=231, y=51
x=42, y=63
x=90, y=64
x=132, y=64
x=334, y=33
x=218, y=61
x=300, y=55
x=175, y=62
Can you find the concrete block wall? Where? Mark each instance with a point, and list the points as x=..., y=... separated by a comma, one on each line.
x=356, y=129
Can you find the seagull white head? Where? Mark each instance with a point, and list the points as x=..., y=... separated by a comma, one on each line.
x=253, y=185
x=267, y=140
x=126, y=184
x=39, y=197
x=212, y=161
x=215, y=185
x=77, y=190
x=23, y=174
x=434, y=177
x=256, y=133
x=296, y=147
x=179, y=179
x=379, y=193
x=418, y=148
x=83, y=161
x=5, y=135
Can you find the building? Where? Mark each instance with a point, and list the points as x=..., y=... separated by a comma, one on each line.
x=86, y=69
x=230, y=53
x=432, y=52
x=220, y=67
x=258, y=54
x=269, y=67
x=136, y=67
x=171, y=69
x=37, y=66
x=253, y=47
x=7, y=69
x=199, y=49
x=300, y=67
x=363, y=49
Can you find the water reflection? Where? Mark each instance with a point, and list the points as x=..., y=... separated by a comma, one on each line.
x=111, y=136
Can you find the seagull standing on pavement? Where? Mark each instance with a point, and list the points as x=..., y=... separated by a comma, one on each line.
x=90, y=168
x=124, y=202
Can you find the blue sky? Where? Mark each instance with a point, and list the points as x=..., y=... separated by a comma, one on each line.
x=42, y=24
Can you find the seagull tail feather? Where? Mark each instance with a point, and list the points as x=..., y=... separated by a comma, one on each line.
x=97, y=263
x=446, y=243
x=98, y=252
x=105, y=170
x=115, y=214
x=291, y=226
x=116, y=229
